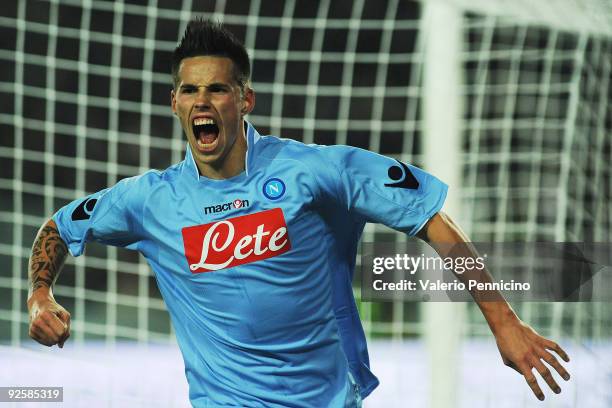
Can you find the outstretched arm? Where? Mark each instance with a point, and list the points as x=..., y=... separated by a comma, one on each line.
x=520, y=346
x=49, y=322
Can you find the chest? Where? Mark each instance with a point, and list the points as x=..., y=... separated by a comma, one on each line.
x=204, y=227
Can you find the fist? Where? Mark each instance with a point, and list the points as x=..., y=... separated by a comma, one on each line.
x=49, y=322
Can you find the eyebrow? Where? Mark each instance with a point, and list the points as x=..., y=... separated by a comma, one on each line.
x=213, y=85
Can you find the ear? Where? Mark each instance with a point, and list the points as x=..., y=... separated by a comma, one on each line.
x=248, y=101
x=173, y=101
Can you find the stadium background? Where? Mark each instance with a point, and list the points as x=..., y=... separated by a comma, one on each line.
x=509, y=102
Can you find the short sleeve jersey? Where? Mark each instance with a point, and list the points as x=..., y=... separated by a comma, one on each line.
x=256, y=269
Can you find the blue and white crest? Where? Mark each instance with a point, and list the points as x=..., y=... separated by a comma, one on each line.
x=274, y=188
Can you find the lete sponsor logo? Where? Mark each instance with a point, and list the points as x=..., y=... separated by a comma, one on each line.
x=236, y=241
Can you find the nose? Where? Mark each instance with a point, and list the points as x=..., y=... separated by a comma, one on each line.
x=202, y=101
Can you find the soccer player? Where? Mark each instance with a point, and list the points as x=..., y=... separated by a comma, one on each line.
x=252, y=240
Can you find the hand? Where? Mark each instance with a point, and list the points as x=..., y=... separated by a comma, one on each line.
x=523, y=349
x=49, y=322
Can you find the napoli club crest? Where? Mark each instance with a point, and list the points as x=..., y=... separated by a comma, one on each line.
x=274, y=188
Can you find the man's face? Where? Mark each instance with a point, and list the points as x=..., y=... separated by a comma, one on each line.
x=209, y=103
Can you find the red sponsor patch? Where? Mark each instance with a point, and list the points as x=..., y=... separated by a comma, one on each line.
x=236, y=241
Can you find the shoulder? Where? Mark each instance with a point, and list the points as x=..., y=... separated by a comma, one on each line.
x=273, y=145
x=320, y=164
x=332, y=159
x=154, y=177
x=142, y=185
x=311, y=155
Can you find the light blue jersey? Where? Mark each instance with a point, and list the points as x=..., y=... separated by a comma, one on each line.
x=256, y=270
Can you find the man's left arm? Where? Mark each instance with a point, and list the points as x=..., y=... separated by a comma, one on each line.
x=520, y=346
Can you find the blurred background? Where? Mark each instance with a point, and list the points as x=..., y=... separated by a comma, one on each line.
x=508, y=102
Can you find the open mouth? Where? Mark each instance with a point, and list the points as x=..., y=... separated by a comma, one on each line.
x=206, y=133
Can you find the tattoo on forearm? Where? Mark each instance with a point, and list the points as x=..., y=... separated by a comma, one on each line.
x=48, y=256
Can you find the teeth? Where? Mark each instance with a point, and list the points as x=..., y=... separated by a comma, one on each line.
x=203, y=121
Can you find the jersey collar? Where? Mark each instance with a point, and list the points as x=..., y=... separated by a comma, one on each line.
x=191, y=169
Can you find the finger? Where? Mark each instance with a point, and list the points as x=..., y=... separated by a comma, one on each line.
x=39, y=334
x=66, y=336
x=63, y=340
x=551, y=345
x=533, y=384
x=552, y=361
x=58, y=327
x=63, y=315
x=513, y=366
x=34, y=332
x=34, y=313
x=43, y=329
x=546, y=375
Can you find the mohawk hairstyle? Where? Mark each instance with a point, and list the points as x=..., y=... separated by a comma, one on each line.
x=205, y=37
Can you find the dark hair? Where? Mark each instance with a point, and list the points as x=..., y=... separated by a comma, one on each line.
x=205, y=37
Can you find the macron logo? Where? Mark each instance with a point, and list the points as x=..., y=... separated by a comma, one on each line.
x=214, y=209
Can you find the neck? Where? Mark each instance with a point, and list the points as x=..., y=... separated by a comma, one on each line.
x=231, y=165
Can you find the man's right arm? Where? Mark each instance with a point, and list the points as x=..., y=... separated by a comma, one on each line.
x=49, y=322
